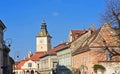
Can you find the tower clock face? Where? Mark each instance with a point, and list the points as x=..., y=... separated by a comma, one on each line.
x=41, y=41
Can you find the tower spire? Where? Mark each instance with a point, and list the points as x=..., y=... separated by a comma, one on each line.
x=43, y=26
x=43, y=39
x=43, y=32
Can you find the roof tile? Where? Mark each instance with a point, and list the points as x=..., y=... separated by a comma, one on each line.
x=77, y=33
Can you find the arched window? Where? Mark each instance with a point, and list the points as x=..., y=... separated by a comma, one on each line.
x=29, y=64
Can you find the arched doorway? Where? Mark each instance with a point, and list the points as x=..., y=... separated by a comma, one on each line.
x=32, y=72
x=27, y=72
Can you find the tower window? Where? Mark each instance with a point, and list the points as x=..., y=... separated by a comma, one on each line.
x=48, y=41
x=41, y=41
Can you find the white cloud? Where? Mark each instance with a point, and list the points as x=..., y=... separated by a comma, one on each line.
x=56, y=14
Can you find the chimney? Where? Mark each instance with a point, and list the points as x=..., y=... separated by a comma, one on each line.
x=92, y=28
x=30, y=54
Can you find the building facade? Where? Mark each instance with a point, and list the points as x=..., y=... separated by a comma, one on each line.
x=5, y=61
x=2, y=27
x=43, y=39
x=111, y=67
x=84, y=50
x=64, y=60
x=93, y=50
x=11, y=63
x=49, y=61
x=31, y=65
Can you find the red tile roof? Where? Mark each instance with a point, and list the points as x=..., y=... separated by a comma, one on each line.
x=77, y=33
x=56, y=48
x=34, y=57
x=60, y=46
x=87, y=42
x=21, y=63
x=107, y=36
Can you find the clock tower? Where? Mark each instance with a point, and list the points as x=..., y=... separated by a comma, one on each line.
x=43, y=39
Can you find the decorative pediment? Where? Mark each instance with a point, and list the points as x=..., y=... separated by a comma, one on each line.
x=28, y=64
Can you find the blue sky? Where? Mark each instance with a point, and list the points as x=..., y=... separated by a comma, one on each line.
x=23, y=20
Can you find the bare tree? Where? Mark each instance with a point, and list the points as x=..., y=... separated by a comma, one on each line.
x=112, y=13
x=112, y=51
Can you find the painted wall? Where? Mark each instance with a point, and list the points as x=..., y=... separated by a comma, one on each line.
x=64, y=59
x=111, y=67
x=43, y=44
x=47, y=63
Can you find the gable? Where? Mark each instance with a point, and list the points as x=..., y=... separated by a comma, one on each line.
x=78, y=42
x=74, y=34
x=106, y=36
x=25, y=66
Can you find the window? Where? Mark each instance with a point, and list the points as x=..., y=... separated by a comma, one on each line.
x=84, y=59
x=68, y=59
x=29, y=64
x=108, y=56
x=41, y=41
x=38, y=66
x=89, y=57
x=54, y=65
